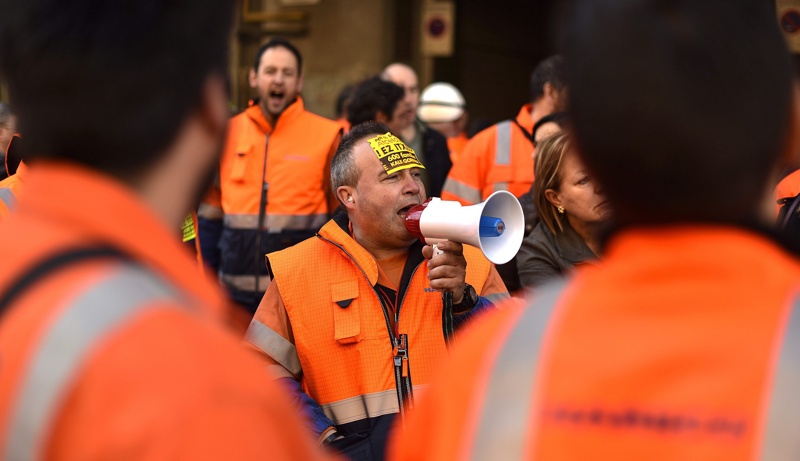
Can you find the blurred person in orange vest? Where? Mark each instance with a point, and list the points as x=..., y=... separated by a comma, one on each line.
x=272, y=190
x=499, y=157
x=683, y=344
x=12, y=186
x=354, y=320
x=443, y=108
x=430, y=146
x=113, y=347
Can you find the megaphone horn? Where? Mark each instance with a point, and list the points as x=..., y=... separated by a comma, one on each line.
x=496, y=226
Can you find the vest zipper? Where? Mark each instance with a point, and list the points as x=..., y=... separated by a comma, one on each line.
x=262, y=211
x=399, y=345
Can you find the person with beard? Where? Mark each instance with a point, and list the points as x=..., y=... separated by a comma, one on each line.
x=429, y=144
x=272, y=190
x=499, y=157
x=364, y=286
x=113, y=346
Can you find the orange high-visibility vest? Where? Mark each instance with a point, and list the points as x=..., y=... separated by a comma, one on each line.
x=343, y=350
x=290, y=163
x=123, y=359
x=498, y=158
x=682, y=345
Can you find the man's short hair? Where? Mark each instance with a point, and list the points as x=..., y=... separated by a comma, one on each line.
x=551, y=71
x=283, y=43
x=343, y=99
x=371, y=96
x=679, y=107
x=109, y=86
x=343, y=168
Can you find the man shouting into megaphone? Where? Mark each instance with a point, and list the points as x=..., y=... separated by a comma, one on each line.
x=354, y=312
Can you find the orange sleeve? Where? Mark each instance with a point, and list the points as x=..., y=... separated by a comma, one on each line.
x=272, y=314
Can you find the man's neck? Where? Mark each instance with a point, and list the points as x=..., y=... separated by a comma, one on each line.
x=269, y=117
x=377, y=250
x=539, y=110
x=409, y=133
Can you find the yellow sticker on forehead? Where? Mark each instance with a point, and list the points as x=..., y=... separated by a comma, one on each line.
x=393, y=153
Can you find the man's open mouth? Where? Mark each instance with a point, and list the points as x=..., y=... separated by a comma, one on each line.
x=276, y=96
x=404, y=211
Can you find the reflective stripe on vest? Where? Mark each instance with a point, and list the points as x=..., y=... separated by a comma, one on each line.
x=503, y=420
x=365, y=406
x=246, y=282
x=464, y=191
x=207, y=211
x=362, y=407
x=275, y=346
x=500, y=186
x=783, y=418
x=8, y=198
x=60, y=354
x=274, y=223
x=502, y=150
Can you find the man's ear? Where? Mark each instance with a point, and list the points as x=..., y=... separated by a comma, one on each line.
x=346, y=195
x=300, y=83
x=550, y=91
x=214, y=110
x=381, y=117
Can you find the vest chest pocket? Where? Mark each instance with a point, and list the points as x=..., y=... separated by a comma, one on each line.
x=240, y=161
x=346, y=312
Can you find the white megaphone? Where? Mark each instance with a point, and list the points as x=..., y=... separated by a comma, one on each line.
x=496, y=226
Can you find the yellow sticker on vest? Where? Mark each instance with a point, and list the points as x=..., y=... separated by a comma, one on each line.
x=393, y=153
x=187, y=228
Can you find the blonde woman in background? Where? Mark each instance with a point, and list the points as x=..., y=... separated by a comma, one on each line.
x=571, y=207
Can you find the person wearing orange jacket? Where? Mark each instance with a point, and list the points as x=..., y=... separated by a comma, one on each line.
x=684, y=343
x=113, y=347
x=273, y=187
x=353, y=320
x=500, y=157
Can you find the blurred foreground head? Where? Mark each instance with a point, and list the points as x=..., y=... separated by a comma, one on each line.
x=108, y=84
x=680, y=107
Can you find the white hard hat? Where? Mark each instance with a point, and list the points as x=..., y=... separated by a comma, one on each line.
x=440, y=102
